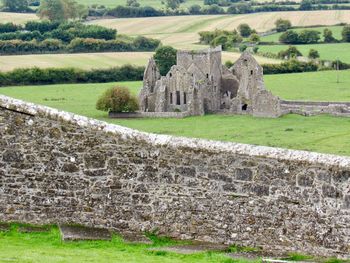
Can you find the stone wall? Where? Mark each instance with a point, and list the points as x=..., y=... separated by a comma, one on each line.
x=58, y=167
x=309, y=108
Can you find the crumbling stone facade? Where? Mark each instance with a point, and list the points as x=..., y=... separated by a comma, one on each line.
x=200, y=84
x=56, y=167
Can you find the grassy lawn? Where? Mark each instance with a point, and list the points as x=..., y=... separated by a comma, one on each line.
x=335, y=29
x=326, y=51
x=316, y=133
x=316, y=86
x=182, y=31
x=48, y=247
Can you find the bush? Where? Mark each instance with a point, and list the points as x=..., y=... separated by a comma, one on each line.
x=244, y=30
x=282, y=25
x=328, y=36
x=9, y=27
x=291, y=52
x=292, y=66
x=37, y=76
x=117, y=99
x=313, y=54
x=289, y=37
x=346, y=33
x=165, y=58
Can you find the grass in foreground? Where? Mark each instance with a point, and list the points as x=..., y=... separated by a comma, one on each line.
x=48, y=247
x=319, y=133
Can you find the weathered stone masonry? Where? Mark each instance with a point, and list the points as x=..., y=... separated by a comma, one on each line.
x=58, y=167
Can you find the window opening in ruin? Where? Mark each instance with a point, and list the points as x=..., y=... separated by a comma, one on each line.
x=178, y=98
x=244, y=106
x=251, y=72
x=170, y=75
x=185, y=99
x=207, y=76
x=171, y=98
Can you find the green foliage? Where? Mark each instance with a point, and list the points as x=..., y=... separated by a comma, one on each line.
x=172, y=4
x=61, y=10
x=15, y=5
x=242, y=47
x=37, y=76
x=132, y=3
x=290, y=52
x=9, y=27
x=229, y=64
x=346, y=33
x=292, y=66
x=328, y=36
x=313, y=54
x=220, y=37
x=304, y=37
x=289, y=37
x=254, y=38
x=117, y=99
x=255, y=49
x=194, y=9
x=165, y=58
x=282, y=25
x=308, y=37
x=305, y=5
x=244, y=30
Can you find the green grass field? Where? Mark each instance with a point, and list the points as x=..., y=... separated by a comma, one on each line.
x=153, y=3
x=182, y=31
x=339, y=51
x=292, y=131
x=335, y=29
x=94, y=60
x=48, y=247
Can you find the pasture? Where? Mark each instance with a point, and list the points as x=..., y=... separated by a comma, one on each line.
x=48, y=247
x=291, y=131
x=93, y=60
x=17, y=18
x=335, y=29
x=327, y=51
x=182, y=31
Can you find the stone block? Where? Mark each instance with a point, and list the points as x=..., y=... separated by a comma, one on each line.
x=75, y=233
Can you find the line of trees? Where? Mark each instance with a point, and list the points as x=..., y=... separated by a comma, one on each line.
x=67, y=37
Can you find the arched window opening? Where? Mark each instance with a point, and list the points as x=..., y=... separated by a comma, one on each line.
x=171, y=98
x=185, y=98
x=244, y=107
x=178, y=101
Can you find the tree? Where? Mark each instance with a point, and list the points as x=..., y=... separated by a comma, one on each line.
x=61, y=10
x=309, y=37
x=244, y=30
x=242, y=47
x=117, y=99
x=289, y=37
x=291, y=52
x=222, y=40
x=346, y=33
x=313, y=54
x=194, y=9
x=172, y=4
x=305, y=5
x=15, y=5
x=132, y=3
x=165, y=58
x=254, y=38
x=282, y=25
x=211, y=2
x=328, y=36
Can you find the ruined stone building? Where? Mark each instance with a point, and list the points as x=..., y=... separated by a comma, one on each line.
x=200, y=84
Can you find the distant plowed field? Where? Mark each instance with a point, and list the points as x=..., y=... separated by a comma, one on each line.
x=92, y=60
x=17, y=18
x=182, y=31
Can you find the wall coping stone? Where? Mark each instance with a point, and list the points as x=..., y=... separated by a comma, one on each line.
x=176, y=142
